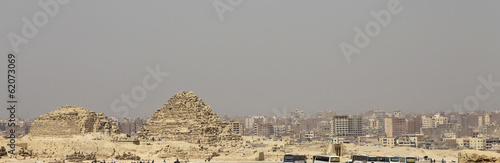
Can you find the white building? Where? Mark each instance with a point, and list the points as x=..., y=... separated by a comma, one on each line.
x=439, y=120
x=427, y=122
x=471, y=143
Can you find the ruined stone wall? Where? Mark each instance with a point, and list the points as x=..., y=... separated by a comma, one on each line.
x=72, y=120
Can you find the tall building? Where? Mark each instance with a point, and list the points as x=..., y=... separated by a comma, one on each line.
x=249, y=122
x=372, y=123
x=414, y=125
x=439, y=120
x=341, y=125
x=355, y=126
x=263, y=129
x=480, y=121
x=399, y=126
x=324, y=128
x=237, y=127
x=395, y=126
x=280, y=130
x=484, y=120
x=388, y=127
x=345, y=126
x=427, y=122
x=494, y=118
x=487, y=119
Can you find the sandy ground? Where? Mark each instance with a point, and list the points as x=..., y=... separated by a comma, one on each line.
x=58, y=147
x=406, y=151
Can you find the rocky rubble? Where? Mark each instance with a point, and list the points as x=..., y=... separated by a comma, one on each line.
x=127, y=156
x=3, y=151
x=67, y=121
x=80, y=156
x=474, y=157
x=25, y=153
x=185, y=117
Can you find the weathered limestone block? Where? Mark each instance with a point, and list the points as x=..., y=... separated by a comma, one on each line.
x=259, y=156
x=473, y=157
x=80, y=156
x=67, y=121
x=127, y=156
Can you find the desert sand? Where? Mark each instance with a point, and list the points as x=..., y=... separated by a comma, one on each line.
x=49, y=149
x=189, y=131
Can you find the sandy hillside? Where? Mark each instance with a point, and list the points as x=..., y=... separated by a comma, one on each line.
x=58, y=148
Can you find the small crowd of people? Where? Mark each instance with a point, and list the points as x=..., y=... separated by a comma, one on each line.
x=157, y=139
x=209, y=158
x=432, y=160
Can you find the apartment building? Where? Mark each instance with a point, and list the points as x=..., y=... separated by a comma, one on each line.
x=345, y=126
x=237, y=127
x=386, y=142
x=471, y=143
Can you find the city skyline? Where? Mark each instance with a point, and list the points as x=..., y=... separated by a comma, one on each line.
x=346, y=56
x=286, y=112
x=387, y=129
x=250, y=81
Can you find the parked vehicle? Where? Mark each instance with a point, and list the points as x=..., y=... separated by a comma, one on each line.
x=326, y=159
x=295, y=158
x=404, y=159
x=387, y=159
x=359, y=158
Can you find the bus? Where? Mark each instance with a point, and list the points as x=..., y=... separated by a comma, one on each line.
x=403, y=159
x=394, y=159
x=294, y=158
x=372, y=159
x=384, y=159
x=325, y=159
x=359, y=158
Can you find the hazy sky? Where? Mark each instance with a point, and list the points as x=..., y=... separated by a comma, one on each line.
x=265, y=54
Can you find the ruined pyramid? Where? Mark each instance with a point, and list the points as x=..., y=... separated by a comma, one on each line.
x=67, y=121
x=186, y=117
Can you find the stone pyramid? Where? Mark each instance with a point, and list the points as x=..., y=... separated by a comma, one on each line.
x=186, y=117
x=67, y=121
